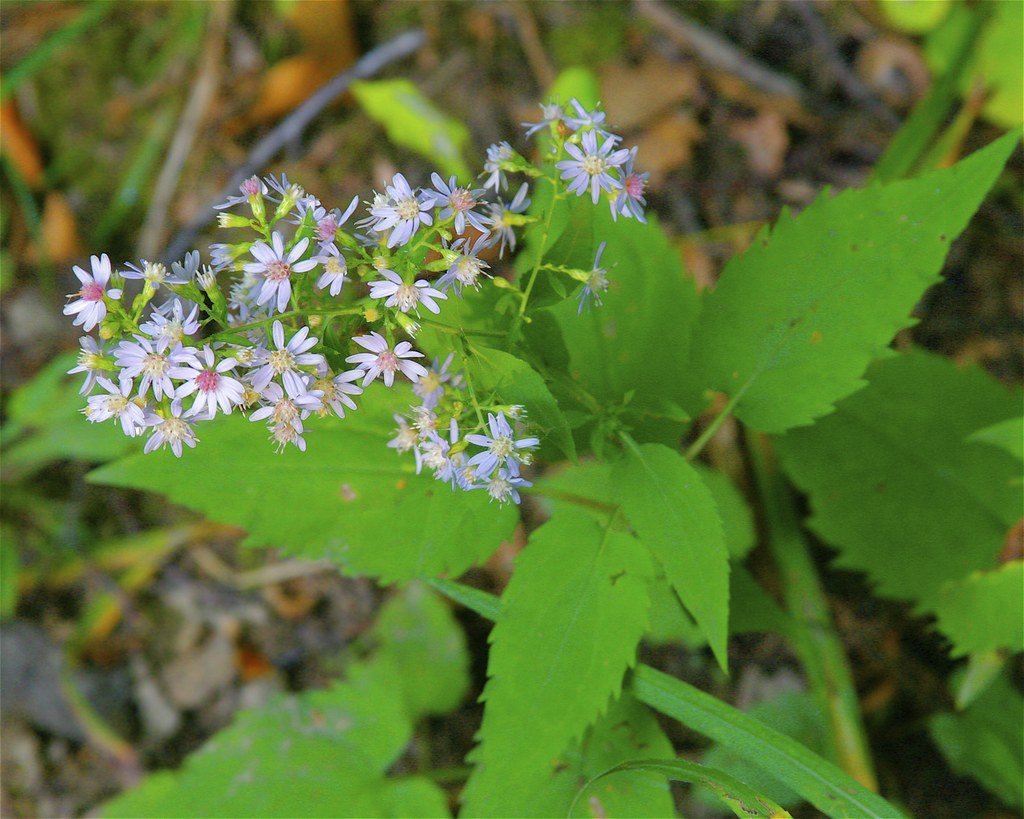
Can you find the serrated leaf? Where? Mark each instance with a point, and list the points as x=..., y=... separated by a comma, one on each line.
x=675, y=516
x=1007, y=435
x=894, y=487
x=572, y=615
x=413, y=121
x=322, y=753
x=516, y=382
x=795, y=321
x=984, y=611
x=362, y=505
x=418, y=633
x=986, y=741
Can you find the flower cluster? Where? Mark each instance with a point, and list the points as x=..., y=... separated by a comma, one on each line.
x=309, y=311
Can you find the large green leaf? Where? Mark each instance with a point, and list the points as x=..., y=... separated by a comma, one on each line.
x=986, y=741
x=413, y=121
x=894, y=486
x=361, y=504
x=572, y=616
x=675, y=516
x=984, y=610
x=795, y=321
x=1007, y=435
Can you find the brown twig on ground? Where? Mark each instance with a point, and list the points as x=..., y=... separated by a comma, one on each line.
x=718, y=53
x=155, y=226
x=295, y=123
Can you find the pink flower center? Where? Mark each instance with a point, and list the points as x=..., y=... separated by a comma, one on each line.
x=635, y=186
x=387, y=362
x=461, y=199
x=91, y=292
x=278, y=271
x=326, y=228
x=251, y=186
x=207, y=380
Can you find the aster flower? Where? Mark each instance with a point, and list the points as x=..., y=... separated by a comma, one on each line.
x=504, y=233
x=277, y=268
x=589, y=168
x=154, y=273
x=596, y=284
x=170, y=430
x=383, y=361
x=430, y=388
x=466, y=270
x=183, y=272
x=404, y=212
x=210, y=382
x=505, y=484
x=433, y=454
x=286, y=410
x=284, y=434
x=593, y=120
x=405, y=436
x=250, y=187
x=404, y=296
x=116, y=403
x=496, y=154
x=459, y=201
x=283, y=189
x=552, y=112
x=169, y=325
x=329, y=221
x=335, y=268
x=499, y=447
x=630, y=200
x=142, y=358
x=93, y=361
x=337, y=391
x=88, y=306
x=287, y=359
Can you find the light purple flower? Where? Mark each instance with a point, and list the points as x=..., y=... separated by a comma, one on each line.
x=385, y=362
x=167, y=330
x=590, y=167
x=459, y=201
x=496, y=154
x=184, y=272
x=404, y=296
x=588, y=119
x=337, y=391
x=404, y=212
x=250, y=187
x=88, y=306
x=287, y=410
x=154, y=273
x=335, y=268
x=552, y=112
x=329, y=221
x=405, y=436
x=173, y=430
x=466, y=270
x=596, y=284
x=287, y=360
x=284, y=189
x=504, y=233
x=116, y=403
x=430, y=388
x=505, y=484
x=210, y=382
x=142, y=358
x=276, y=268
x=630, y=200
x=500, y=446
x=93, y=361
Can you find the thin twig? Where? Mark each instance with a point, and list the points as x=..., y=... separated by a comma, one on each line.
x=529, y=37
x=295, y=123
x=717, y=52
x=155, y=226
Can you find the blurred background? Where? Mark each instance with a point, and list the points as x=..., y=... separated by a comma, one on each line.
x=133, y=631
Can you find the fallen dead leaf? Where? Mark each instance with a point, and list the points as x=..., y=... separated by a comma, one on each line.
x=19, y=145
x=635, y=95
x=766, y=141
x=667, y=144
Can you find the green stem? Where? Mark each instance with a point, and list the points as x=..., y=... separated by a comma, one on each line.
x=252, y=325
x=697, y=446
x=814, y=635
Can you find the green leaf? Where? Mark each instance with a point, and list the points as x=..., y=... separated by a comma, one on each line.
x=322, y=753
x=818, y=781
x=418, y=633
x=741, y=799
x=794, y=322
x=627, y=731
x=674, y=515
x=733, y=509
x=362, y=505
x=1007, y=435
x=10, y=569
x=576, y=82
x=984, y=611
x=45, y=424
x=516, y=382
x=413, y=121
x=986, y=741
x=572, y=616
x=795, y=714
x=914, y=16
x=894, y=487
